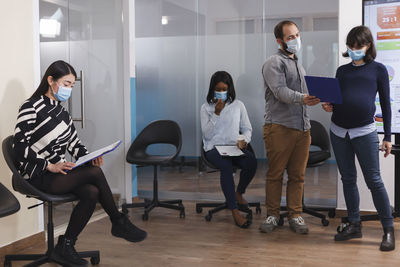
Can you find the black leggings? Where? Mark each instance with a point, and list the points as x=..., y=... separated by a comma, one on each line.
x=89, y=184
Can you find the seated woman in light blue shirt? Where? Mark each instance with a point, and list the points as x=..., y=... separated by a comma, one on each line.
x=222, y=119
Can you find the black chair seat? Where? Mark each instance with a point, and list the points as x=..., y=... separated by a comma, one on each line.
x=318, y=157
x=150, y=160
x=8, y=202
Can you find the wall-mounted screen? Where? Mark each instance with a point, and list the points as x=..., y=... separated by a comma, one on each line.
x=383, y=18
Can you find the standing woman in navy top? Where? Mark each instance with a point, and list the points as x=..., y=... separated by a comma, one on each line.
x=43, y=134
x=353, y=132
x=222, y=118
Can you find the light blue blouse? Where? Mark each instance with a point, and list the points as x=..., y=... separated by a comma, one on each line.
x=224, y=129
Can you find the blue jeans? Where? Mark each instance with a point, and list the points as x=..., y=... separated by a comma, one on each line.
x=366, y=148
x=248, y=166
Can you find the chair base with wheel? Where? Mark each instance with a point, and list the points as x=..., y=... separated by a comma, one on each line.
x=218, y=206
x=39, y=259
x=149, y=205
x=312, y=212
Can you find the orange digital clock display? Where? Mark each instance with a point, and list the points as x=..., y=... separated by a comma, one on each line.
x=389, y=17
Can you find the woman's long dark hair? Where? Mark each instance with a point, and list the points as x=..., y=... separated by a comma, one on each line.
x=360, y=36
x=56, y=70
x=226, y=78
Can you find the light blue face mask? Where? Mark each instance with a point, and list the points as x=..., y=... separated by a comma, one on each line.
x=63, y=93
x=356, y=54
x=221, y=95
x=294, y=46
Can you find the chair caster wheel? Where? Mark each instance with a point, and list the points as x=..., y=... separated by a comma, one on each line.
x=325, y=222
x=182, y=214
x=208, y=217
x=199, y=209
x=258, y=210
x=95, y=260
x=281, y=221
x=332, y=214
x=145, y=217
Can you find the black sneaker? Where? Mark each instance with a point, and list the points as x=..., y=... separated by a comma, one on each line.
x=349, y=231
x=387, y=239
x=122, y=227
x=65, y=254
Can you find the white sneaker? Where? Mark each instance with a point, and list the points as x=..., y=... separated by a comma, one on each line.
x=298, y=225
x=270, y=223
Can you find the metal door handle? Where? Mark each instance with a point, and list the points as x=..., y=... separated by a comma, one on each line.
x=80, y=79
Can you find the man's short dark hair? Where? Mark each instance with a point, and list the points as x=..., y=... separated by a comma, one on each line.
x=278, y=30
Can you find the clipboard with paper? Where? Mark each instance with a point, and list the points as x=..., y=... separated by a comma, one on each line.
x=95, y=154
x=229, y=150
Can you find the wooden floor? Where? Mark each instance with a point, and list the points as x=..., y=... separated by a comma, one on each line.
x=194, y=242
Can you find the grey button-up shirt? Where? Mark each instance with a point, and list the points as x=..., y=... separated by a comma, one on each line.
x=285, y=88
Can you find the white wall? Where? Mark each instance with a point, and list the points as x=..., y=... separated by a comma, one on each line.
x=19, y=73
x=350, y=15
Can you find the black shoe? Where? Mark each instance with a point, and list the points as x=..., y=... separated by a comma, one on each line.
x=245, y=225
x=349, y=231
x=387, y=239
x=122, y=227
x=243, y=207
x=65, y=254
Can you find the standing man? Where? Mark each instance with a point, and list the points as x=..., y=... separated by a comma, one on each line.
x=287, y=128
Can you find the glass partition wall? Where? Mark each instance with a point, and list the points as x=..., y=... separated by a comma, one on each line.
x=181, y=43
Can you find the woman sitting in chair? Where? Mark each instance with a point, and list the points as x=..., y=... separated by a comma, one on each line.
x=222, y=118
x=43, y=133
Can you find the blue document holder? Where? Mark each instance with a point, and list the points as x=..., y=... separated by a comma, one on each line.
x=326, y=89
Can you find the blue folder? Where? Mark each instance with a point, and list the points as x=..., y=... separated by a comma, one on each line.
x=326, y=89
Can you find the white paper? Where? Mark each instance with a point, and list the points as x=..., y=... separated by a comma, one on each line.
x=229, y=151
x=96, y=154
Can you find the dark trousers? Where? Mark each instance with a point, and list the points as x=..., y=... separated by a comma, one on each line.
x=366, y=148
x=248, y=166
x=86, y=182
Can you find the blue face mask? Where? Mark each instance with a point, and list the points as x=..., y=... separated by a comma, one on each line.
x=63, y=93
x=355, y=54
x=221, y=95
x=294, y=46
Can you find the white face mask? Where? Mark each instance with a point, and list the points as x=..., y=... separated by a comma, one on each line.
x=294, y=46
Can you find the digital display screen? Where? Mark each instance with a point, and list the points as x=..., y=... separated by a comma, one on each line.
x=383, y=19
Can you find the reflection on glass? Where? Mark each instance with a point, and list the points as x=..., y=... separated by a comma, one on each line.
x=175, y=60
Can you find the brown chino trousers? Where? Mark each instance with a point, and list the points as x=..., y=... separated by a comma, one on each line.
x=286, y=149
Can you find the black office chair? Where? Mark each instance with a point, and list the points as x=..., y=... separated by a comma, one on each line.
x=320, y=139
x=24, y=187
x=157, y=132
x=218, y=206
x=8, y=202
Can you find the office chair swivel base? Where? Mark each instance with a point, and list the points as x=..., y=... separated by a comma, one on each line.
x=218, y=206
x=306, y=210
x=149, y=205
x=39, y=259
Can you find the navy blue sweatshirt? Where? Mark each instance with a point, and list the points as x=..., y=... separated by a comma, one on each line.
x=359, y=85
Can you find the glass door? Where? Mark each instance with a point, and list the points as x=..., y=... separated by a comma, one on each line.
x=88, y=35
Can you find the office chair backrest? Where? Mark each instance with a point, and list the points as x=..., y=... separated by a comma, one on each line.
x=157, y=132
x=8, y=202
x=319, y=136
x=18, y=182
